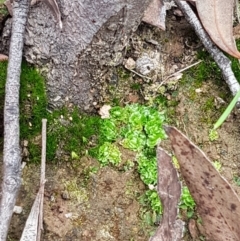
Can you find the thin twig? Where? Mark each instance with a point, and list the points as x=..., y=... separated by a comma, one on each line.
x=11, y=180
x=140, y=75
x=222, y=61
x=181, y=70
x=34, y=223
x=42, y=180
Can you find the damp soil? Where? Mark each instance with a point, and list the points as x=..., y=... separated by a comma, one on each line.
x=82, y=204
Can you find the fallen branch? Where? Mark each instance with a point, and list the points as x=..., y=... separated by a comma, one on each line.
x=11, y=150
x=222, y=61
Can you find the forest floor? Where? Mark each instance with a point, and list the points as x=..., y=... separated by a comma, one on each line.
x=85, y=201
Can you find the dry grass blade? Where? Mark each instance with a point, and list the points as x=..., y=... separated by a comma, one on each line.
x=217, y=203
x=31, y=227
x=34, y=224
x=216, y=17
x=169, y=191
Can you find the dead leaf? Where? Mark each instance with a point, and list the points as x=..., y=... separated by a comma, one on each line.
x=169, y=191
x=193, y=230
x=3, y=57
x=155, y=14
x=8, y=4
x=217, y=203
x=217, y=18
x=132, y=98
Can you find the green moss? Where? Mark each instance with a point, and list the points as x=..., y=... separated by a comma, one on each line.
x=208, y=105
x=33, y=102
x=68, y=130
x=123, y=74
x=3, y=75
x=136, y=86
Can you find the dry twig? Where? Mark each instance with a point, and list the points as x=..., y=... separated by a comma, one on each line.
x=34, y=224
x=222, y=61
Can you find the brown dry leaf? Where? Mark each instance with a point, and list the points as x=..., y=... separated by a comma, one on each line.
x=3, y=57
x=169, y=191
x=217, y=18
x=217, y=203
x=155, y=14
x=8, y=4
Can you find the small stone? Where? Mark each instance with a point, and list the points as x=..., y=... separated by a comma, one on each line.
x=65, y=195
x=68, y=215
x=130, y=64
x=198, y=90
x=57, y=98
x=23, y=165
x=17, y=209
x=25, y=152
x=104, y=111
x=25, y=143
x=144, y=65
x=178, y=12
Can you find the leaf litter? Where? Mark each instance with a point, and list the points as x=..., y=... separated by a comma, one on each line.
x=55, y=205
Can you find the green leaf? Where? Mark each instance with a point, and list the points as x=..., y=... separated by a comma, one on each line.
x=134, y=140
x=109, y=130
x=227, y=112
x=109, y=153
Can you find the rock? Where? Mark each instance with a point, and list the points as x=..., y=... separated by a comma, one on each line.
x=17, y=209
x=145, y=64
x=130, y=64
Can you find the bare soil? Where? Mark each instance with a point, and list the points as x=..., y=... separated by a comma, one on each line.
x=80, y=205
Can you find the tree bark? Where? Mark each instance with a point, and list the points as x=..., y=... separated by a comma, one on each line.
x=79, y=60
x=11, y=150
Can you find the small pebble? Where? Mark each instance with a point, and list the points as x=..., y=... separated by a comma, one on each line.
x=17, y=209
x=130, y=64
x=68, y=215
x=65, y=195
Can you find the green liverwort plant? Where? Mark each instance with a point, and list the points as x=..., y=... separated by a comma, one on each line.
x=138, y=128
x=147, y=167
x=109, y=153
x=187, y=203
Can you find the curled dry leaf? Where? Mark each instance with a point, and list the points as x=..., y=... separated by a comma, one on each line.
x=3, y=57
x=217, y=203
x=217, y=18
x=169, y=191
